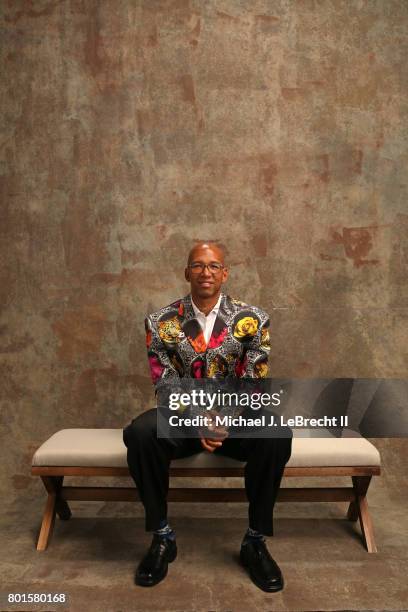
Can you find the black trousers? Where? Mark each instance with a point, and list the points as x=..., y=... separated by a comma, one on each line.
x=149, y=460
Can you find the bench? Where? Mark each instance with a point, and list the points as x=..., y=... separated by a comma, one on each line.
x=101, y=452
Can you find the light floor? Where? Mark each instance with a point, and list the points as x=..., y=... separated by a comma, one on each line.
x=92, y=557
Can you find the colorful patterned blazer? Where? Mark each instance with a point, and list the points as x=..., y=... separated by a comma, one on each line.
x=239, y=345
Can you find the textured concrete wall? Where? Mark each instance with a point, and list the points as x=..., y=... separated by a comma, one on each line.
x=132, y=128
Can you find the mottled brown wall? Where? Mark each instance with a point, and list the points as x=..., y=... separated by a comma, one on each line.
x=131, y=128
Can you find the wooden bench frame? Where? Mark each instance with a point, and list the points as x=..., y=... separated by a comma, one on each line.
x=59, y=495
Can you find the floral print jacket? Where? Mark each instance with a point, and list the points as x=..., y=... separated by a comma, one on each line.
x=239, y=345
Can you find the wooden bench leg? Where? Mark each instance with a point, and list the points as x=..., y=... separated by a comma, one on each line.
x=54, y=505
x=359, y=509
x=352, y=513
x=62, y=508
x=47, y=524
x=360, y=485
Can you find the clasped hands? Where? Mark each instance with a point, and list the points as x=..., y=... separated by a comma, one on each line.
x=219, y=434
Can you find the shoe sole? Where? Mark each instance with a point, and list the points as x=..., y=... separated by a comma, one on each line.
x=261, y=585
x=140, y=582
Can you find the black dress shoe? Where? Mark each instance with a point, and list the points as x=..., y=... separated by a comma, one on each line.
x=154, y=565
x=263, y=570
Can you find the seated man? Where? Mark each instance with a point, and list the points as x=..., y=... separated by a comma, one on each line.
x=206, y=334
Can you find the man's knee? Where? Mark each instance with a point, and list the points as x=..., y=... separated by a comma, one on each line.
x=142, y=428
x=277, y=446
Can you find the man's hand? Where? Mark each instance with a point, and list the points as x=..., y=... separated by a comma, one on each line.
x=210, y=444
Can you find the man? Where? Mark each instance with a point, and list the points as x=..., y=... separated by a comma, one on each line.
x=206, y=335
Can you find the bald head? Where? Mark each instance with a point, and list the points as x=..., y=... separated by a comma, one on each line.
x=215, y=247
x=206, y=272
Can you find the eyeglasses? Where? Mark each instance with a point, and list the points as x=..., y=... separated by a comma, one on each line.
x=198, y=267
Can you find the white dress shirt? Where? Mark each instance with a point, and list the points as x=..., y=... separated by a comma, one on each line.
x=206, y=322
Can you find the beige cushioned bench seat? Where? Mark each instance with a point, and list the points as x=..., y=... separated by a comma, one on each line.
x=105, y=448
x=102, y=452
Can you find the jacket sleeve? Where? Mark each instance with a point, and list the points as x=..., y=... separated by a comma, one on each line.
x=161, y=368
x=164, y=374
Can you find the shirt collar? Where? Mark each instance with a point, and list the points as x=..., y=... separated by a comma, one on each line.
x=215, y=310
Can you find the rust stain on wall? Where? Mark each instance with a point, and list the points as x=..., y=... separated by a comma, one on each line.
x=27, y=10
x=195, y=32
x=227, y=16
x=92, y=47
x=357, y=243
x=187, y=86
x=268, y=174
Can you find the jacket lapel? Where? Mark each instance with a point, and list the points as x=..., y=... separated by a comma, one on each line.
x=220, y=328
x=191, y=326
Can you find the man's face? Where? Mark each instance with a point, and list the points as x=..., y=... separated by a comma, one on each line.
x=206, y=282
